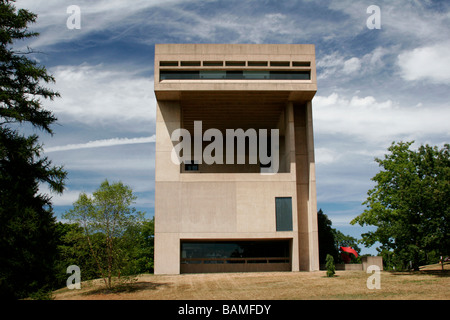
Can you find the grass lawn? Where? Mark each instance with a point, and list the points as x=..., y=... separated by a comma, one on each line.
x=430, y=283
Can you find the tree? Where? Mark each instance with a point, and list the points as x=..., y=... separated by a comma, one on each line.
x=107, y=214
x=343, y=240
x=410, y=203
x=330, y=240
x=140, y=248
x=27, y=224
x=327, y=243
x=73, y=250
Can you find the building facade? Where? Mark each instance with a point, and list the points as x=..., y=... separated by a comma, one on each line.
x=235, y=185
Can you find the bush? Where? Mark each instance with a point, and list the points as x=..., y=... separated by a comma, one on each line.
x=330, y=265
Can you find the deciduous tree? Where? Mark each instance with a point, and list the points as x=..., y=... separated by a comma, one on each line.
x=410, y=203
x=108, y=213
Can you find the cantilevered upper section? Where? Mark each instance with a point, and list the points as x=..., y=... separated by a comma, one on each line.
x=289, y=68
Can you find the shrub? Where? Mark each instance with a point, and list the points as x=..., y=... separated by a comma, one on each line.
x=330, y=265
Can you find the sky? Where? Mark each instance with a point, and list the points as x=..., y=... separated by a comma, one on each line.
x=375, y=86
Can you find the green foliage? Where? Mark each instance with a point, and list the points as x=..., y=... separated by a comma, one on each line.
x=140, y=250
x=74, y=249
x=108, y=218
x=27, y=228
x=343, y=240
x=327, y=245
x=410, y=204
x=330, y=266
x=21, y=77
x=330, y=240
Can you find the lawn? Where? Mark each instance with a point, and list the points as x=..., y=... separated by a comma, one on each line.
x=430, y=284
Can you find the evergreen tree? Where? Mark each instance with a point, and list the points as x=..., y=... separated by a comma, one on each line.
x=27, y=224
x=327, y=242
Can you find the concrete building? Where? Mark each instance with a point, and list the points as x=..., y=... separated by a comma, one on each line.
x=224, y=216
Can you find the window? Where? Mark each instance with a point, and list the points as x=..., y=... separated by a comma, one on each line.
x=178, y=75
x=234, y=74
x=290, y=75
x=220, y=251
x=283, y=212
x=191, y=166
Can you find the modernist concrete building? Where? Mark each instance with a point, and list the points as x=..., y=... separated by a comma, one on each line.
x=223, y=217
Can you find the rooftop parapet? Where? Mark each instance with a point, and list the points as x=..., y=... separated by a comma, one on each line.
x=235, y=67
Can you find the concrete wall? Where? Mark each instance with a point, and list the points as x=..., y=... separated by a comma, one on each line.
x=235, y=204
x=366, y=262
x=370, y=261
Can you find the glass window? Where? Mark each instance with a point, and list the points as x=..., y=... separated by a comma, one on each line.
x=212, y=74
x=283, y=211
x=191, y=166
x=290, y=75
x=235, y=249
x=256, y=74
x=234, y=74
x=178, y=75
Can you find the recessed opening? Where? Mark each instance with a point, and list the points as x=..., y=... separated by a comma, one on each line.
x=301, y=63
x=190, y=63
x=235, y=63
x=168, y=63
x=257, y=63
x=200, y=256
x=213, y=63
x=280, y=63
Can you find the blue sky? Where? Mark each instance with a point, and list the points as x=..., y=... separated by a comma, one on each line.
x=375, y=86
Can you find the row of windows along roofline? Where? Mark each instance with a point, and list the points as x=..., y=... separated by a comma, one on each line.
x=278, y=64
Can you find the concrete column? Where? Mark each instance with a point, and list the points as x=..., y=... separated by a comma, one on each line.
x=313, y=234
x=167, y=176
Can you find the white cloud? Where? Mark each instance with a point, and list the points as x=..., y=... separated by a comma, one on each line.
x=98, y=15
x=101, y=143
x=351, y=65
x=426, y=63
x=336, y=63
x=402, y=20
x=97, y=95
x=373, y=121
x=325, y=156
x=67, y=198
